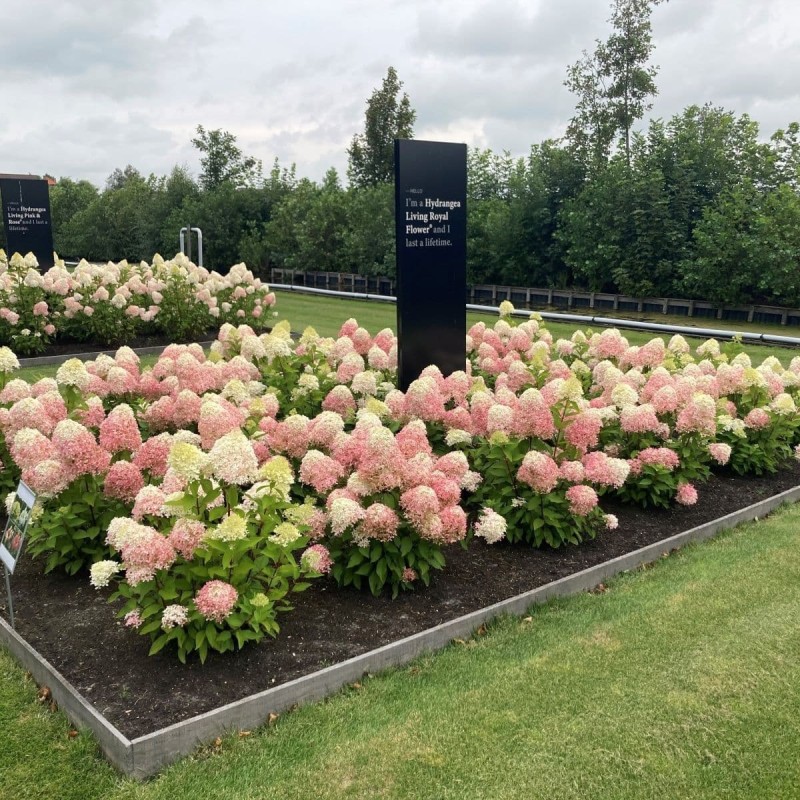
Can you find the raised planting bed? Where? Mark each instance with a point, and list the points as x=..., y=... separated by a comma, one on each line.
x=147, y=712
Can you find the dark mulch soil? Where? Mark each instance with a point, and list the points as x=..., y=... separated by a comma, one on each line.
x=75, y=629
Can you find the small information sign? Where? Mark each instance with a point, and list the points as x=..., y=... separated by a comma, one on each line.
x=16, y=526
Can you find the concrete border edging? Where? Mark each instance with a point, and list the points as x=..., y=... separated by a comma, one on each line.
x=146, y=755
x=115, y=746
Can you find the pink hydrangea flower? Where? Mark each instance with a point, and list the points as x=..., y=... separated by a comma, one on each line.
x=153, y=453
x=699, y=415
x=123, y=481
x=532, y=416
x=419, y=504
x=340, y=400
x=149, y=502
x=609, y=344
x=14, y=391
x=604, y=470
x=48, y=478
x=324, y=428
x=424, y=400
x=758, y=418
x=349, y=327
x=659, y=456
x=639, y=419
x=159, y=415
x=186, y=536
x=317, y=559
x=720, y=452
x=233, y=459
x=454, y=464
x=54, y=405
x=686, y=494
x=582, y=499
x=413, y=439
x=44, y=385
x=539, y=471
x=93, y=415
x=215, y=600
x=349, y=367
x=500, y=419
x=448, y=490
x=217, y=419
x=76, y=447
x=380, y=522
x=120, y=431
x=29, y=447
x=27, y=413
x=343, y=513
x=187, y=408
x=320, y=471
x=133, y=619
x=583, y=431
x=174, y=616
x=572, y=471
x=409, y=575
x=145, y=554
x=291, y=436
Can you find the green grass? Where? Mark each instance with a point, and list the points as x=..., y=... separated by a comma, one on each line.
x=679, y=682
x=33, y=374
x=689, y=322
x=326, y=315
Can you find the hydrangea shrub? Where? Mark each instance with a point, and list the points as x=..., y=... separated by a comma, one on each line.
x=215, y=477
x=222, y=556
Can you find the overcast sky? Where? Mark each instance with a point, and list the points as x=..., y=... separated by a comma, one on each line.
x=90, y=85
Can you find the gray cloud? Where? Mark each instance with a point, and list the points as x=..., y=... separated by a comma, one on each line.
x=93, y=86
x=83, y=45
x=500, y=29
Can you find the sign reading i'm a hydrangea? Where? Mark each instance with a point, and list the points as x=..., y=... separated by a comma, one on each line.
x=431, y=239
x=26, y=216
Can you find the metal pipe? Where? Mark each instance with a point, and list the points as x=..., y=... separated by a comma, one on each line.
x=10, y=599
x=199, y=246
x=384, y=298
x=748, y=336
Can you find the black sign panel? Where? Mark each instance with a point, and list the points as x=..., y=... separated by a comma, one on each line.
x=26, y=216
x=431, y=236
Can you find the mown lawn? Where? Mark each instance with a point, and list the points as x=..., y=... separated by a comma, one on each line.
x=680, y=681
x=326, y=315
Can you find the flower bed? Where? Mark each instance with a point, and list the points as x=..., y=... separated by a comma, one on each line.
x=69, y=624
x=112, y=304
x=211, y=488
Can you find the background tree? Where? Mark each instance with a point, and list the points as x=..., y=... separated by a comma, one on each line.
x=371, y=154
x=254, y=245
x=615, y=83
x=67, y=199
x=368, y=245
x=120, y=177
x=223, y=162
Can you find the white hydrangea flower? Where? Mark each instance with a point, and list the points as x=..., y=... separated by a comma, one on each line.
x=102, y=572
